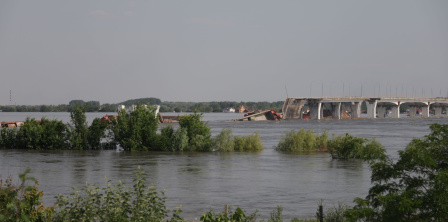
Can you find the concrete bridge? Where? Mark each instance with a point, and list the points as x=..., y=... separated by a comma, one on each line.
x=293, y=108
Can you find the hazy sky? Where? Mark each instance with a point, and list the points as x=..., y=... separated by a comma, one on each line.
x=52, y=52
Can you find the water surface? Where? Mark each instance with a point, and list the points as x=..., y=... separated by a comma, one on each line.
x=200, y=181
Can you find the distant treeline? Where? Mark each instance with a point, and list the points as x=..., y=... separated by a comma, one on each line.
x=203, y=107
x=95, y=106
x=207, y=107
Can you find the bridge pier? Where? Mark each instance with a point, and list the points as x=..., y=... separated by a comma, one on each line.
x=315, y=108
x=356, y=109
x=412, y=111
x=396, y=111
x=336, y=110
x=437, y=111
x=371, y=108
x=381, y=111
x=322, y=107
x=425, y=111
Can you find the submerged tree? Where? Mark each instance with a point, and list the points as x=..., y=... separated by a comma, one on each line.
x=96, y=133
x=352, y=147
x=136, y=130
x=80, y=128
x=198, y=133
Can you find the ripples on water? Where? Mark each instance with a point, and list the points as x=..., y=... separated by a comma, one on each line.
x=200, y=181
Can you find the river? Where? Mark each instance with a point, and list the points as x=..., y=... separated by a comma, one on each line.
x=201, y=181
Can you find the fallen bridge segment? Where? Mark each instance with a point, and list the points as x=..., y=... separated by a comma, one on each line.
x=260, y=116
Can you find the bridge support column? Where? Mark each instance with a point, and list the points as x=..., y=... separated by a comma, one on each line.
x=371, y=108
x=438, y=111
x=356, y=109
x=412, y=111
x=425, y=111
x=336, y=110
x=322, y=106
x=381, y=111
x=396, y=111
x=315, y=109
x=292, y=109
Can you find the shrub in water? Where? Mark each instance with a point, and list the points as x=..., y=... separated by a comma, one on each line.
x=198, y=133
x=322, y=141
x=166, y=135
x=302, y=140
x=373, y=150
x=8, y=137
x=351, y=147
x=29, y=135
x=227, y=142
x=248, y=143
x=179, y=141
x=37, y=135
x=224, y=141
x=54, y=134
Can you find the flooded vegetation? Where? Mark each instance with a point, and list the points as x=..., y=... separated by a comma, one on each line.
x=250, y=180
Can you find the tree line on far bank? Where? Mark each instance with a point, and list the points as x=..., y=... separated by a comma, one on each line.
x=96, y=106
x=165, y=106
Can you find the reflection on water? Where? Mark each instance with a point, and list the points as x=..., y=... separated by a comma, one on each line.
x=200, y=181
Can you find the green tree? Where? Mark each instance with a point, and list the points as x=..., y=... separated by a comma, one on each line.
x=198, y=133
x=151, y=100
x=173, y=140
x=415, y=188
x=96, y=133
x=8, y=138
x=352, y=147
x=136, y=130
x=29, y=135
x=79, y=128
x=44, y=108
x=76, y=103
x=164, y=108
x=55, y=134
x=108, y=108
x=43, y=134
x=61, y=108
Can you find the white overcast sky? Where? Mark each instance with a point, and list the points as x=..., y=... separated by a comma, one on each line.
x=52, y=52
